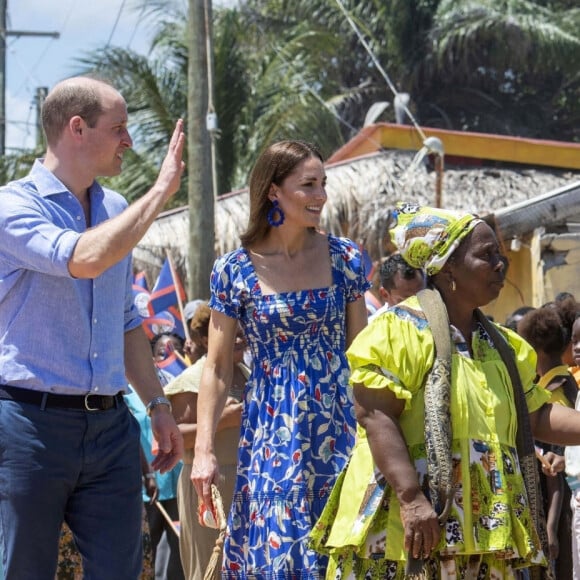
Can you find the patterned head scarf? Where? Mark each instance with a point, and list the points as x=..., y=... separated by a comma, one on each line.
x=427, y=236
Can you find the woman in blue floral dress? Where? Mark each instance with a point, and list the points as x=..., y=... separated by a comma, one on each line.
x=298, y=294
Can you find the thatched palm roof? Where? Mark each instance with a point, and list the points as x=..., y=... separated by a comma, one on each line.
x=361, y=192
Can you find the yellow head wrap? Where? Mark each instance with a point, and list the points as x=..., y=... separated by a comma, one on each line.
x=427, y=236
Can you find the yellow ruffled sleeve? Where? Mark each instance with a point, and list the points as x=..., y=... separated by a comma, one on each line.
x=394, y=353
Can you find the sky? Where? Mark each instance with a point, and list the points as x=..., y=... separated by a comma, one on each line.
x=40, y=61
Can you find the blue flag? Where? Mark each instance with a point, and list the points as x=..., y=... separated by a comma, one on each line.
x=165, y=321
x=165, y=292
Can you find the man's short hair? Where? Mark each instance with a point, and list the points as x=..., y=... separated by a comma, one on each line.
x=80, y=96
x=393, y=264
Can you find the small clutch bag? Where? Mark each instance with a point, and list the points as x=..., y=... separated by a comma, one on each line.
x=212, y=516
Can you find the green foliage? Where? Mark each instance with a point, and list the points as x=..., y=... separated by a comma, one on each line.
x=296, y=68
x=155, y=88
x=504, y=67
x=16, y=165
x=232, y=90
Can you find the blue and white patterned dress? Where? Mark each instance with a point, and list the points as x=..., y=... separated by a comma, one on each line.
x=298, y=421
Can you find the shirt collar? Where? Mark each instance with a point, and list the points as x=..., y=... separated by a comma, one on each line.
x=48, y=184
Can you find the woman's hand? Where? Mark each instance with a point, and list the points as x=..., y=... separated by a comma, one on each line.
x=553, y=464
x=421, y=526
x=204, y=472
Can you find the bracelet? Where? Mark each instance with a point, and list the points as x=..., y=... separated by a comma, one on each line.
x=155, y=401
x=149, y=475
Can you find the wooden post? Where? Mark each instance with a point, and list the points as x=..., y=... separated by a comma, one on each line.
x=201, y=252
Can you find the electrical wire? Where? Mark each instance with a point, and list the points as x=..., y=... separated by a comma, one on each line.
x=116, y=23
x=432, y=145
x=279, y=52
x=379, y=67
x=29, y=74
x=314, y=94
x=137, y=23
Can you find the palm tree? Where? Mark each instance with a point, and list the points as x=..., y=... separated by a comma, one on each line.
x=311, y=79
x=295, y=68
x=498, y=66
x=155, y=88
x=232, y=92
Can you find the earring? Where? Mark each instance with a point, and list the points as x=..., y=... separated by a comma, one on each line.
x=272, y=212
x=453, y=286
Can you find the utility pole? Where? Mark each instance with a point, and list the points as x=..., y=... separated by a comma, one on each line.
x=201, y=253
x=41, y=94
x=3, y=35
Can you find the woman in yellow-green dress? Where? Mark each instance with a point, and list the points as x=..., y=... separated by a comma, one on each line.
x=383, y=511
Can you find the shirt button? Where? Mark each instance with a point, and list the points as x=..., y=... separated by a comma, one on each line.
x=79, y=218
x=96, y=389
x=95, y=355
x=94, y=321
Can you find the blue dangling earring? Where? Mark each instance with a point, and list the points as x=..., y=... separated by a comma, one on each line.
x=272, y=219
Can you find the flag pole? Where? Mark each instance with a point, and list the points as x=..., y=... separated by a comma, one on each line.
x=181, y=358
x=167, y=517
x=177, y=286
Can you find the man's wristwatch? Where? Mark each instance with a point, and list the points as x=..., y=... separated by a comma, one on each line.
x=155, y=402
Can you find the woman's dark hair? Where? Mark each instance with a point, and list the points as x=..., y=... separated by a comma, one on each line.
x=513, y=319
x=276, y=163
x=393, y=264
x=543, y=329
x=567, y=308
x=561, y=296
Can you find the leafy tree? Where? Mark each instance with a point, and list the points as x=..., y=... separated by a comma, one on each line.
x=155, y=88
x=16, y=165
x=504, y=67
x=296, y=68
x=232, y=92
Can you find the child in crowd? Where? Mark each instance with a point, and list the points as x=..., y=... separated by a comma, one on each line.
x=544, y=328
x=572, y=455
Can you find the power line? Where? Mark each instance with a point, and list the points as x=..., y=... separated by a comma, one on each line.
x=311, y=91
x=379, y=67
x=116, y=23
x=430, y=145
x=137, y=23
x=3, y=36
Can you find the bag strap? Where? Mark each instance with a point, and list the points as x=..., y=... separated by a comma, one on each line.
x=437, y=419
x=437, y=402
x=436, y=314
x=525, y=441
x=524, y=435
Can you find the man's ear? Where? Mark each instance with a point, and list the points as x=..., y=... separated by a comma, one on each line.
x=76, y=126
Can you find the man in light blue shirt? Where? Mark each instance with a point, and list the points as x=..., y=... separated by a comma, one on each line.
x=70, y=337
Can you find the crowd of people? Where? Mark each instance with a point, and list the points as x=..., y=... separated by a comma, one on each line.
x=343, y=437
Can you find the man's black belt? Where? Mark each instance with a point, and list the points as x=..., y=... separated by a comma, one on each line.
x=88, y=402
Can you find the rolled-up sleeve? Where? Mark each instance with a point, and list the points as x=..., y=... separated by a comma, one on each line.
x=31, y=239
